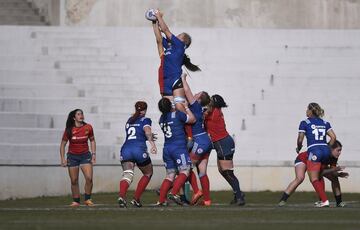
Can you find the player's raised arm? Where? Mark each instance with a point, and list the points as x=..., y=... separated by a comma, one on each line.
x=158, y=37
x=164, y=28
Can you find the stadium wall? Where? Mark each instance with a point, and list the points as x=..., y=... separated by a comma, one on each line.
x=284, y=14
x=27, y=181
x=266, y=76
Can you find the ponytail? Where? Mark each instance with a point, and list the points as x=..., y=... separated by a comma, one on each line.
x=139, y=106
x=190, y=66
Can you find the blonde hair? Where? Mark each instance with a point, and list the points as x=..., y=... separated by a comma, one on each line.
x=316, y=110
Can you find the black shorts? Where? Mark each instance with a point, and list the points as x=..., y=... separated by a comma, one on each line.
x=178, y=84
x=225, y=148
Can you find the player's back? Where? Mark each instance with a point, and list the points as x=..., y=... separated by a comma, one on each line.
x=135, y=133
x=172, y=125
x=315, y=130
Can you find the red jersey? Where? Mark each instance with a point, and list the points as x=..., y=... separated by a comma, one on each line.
x=215, y=125
x=79, y=141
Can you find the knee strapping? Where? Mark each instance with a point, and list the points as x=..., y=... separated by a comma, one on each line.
x=179, y=99
x=170, y=174
x=128, y=175
x=202, y=174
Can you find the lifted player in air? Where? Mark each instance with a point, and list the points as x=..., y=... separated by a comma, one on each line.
x=171, y=50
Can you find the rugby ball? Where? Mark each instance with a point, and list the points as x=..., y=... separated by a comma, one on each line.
x=150, y=15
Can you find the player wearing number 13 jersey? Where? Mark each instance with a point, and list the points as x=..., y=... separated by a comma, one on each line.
x=134, y=151
x=175, y=155
x=315, y=129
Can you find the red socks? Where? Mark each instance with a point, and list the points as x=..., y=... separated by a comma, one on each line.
x=165, y=186
x=124, y=185
x=205, y=185
x=143, y=182
x=319, y=190
x=178, y=183
x=193, y=181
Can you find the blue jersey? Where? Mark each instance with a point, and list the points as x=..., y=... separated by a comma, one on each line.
x=172, y=125
x=315, y=130
x=135, y=133
x=173, y=57
x=198, y=127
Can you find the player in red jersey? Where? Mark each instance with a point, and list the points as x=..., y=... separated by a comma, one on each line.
x=77, y=133
x=224, y=145
x=330, y=170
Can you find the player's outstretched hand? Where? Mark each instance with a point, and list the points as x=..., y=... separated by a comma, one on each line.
x=343, y=174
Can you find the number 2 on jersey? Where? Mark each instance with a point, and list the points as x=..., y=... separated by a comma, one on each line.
x=131, y=133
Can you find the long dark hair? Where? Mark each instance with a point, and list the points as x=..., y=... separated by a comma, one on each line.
x=165, y=105
x=190, y=66
x=218, y=101
x=70, y=122
x=139, y=106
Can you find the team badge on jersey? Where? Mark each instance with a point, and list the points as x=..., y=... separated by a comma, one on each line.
x=313, y=126
x=145, y=155
x=178, y=161
x=314, y=157
x=200, y=150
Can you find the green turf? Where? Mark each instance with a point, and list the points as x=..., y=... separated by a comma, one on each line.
x=260, y=212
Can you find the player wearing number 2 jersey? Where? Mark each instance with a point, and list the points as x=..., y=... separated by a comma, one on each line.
x=134, y=151
x=315, y=129
x=175, y=154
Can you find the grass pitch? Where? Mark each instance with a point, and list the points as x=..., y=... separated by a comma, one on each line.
x=260, y=212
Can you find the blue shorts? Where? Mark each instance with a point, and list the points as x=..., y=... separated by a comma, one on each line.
x=176, y=157
x=74, y=160
x=319, y=153
x=202, y=144
x=225, y=148
x=171, y=84
x=136, y=154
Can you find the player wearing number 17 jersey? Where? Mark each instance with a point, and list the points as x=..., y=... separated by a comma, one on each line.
x=134, y=151
x=175, y=154
x=315, y=129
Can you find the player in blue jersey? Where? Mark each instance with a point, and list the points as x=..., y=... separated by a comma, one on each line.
x=330, y=170
x=171, y=50
x=201, y=146
x=175, y=155
x=134, y=152
x=316, y=129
